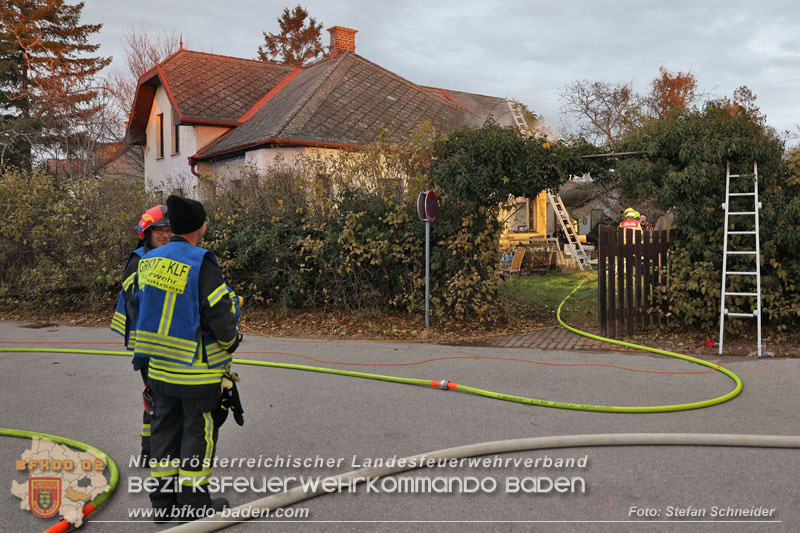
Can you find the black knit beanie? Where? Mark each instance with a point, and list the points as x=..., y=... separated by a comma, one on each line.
x=185, y=215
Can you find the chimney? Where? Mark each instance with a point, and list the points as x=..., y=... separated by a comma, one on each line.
x=342, y=39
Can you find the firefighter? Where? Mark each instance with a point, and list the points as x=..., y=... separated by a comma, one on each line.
x=186, y=331
x=154, y=231
x=631, y=220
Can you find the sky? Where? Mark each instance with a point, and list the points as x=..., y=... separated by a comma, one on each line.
x=526, y=50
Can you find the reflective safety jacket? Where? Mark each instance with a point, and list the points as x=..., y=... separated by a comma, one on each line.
x=630, y=223
x=169, y=304
x=121, y=323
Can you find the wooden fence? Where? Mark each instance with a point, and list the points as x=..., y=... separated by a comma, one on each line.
x=630, y=268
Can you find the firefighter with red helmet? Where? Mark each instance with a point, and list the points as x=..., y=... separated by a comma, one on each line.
x=154, y=231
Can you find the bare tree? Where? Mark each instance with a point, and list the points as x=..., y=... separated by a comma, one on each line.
x=604, y=112
x=142, y=53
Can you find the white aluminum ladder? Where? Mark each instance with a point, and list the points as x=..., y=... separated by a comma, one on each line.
x=756, y=253
x=573, y=242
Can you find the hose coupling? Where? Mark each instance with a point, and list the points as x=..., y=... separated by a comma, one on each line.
x=443, y=384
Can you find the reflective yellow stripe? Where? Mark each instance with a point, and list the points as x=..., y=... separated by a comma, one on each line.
x=128, y=281
x=226, y=345
x=166, y=313
x=217, y=295
x=216, y=355
x=166, y=340
x=165, y=467
x=179, y=368
x=184, y=379
x=221, y=359
x=188, y=477
x=154, y=350
x=118, y=323
x=190, y=480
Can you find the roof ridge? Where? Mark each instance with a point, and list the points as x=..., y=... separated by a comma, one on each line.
x=300, y=105
x=255, y=61
x=457, y=91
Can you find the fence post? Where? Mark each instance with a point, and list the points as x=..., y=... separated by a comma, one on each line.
x=657, y=273
x=629, y=252
x=648, y=289
x=612, y=271
x=621, y=301
x=638, y=278
x=665, y=268
x=602, y=253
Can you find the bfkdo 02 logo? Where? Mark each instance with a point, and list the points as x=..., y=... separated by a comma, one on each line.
x=44, y=496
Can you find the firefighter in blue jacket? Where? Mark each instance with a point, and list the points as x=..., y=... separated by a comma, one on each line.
x=154, y=231
x=186, y=331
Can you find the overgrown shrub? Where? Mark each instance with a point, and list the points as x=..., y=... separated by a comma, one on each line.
x=65, y=247
x=685, y=167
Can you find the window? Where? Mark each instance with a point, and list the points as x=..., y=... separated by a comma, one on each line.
x=520, y=217
x=160, y=135
x=176, y=134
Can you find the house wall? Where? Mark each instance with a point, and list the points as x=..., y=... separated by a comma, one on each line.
x=204, y=135
x=268, y=158
x=534, y=223
x=172, y=171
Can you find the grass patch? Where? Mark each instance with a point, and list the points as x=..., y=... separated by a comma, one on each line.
x=538, y=297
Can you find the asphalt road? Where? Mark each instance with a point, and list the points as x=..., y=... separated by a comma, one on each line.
x=96, y=399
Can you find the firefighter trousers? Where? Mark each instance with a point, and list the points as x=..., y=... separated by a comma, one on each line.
x=183, y=439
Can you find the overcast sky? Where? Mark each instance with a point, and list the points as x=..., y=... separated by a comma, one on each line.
x=527, y=50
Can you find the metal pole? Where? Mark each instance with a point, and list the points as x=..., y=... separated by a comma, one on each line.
x=427, y=272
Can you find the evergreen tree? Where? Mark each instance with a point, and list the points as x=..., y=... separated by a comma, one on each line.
x=297, y=43
x=46, y=74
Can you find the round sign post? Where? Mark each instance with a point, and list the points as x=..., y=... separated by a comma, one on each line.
x=427, y=210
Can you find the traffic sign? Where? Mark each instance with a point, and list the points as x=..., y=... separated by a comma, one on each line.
x=431, y=206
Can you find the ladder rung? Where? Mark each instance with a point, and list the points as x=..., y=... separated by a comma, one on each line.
x=741, y=175
x=741, y=294
x=741, y=315
x=742, y=273
x=741, y=253
x=741, y=233
x=742, y=194
x=742, y=213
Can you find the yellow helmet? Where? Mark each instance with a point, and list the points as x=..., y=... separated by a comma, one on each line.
x=631, y=213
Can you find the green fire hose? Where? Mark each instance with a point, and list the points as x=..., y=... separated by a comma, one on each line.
x=411, y=381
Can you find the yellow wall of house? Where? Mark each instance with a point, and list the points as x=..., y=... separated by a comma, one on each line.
x=540, y=224
x=536, y=220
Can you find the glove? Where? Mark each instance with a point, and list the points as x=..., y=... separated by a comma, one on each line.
x=230, y=397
